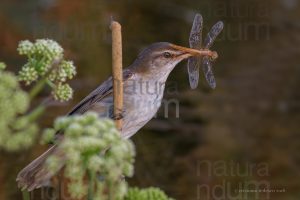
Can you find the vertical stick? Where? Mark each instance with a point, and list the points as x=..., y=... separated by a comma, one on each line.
x=117, y=72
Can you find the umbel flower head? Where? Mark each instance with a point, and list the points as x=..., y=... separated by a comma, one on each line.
x=16, y=131
x=92, y=146
x=63, y=92
x=146, y=194
x=46, y=61
x=2, y=66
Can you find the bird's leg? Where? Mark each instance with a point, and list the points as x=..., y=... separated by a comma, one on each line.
x=120, y=115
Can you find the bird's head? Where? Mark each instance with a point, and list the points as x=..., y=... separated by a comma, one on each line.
x=162, y=57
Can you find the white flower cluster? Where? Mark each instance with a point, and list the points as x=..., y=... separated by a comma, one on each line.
x=28, y=74
x=45, y=60
x=66, y=70
x=16, y=132
x=47, y=47
x=2, y=66
x=62, y=92
x=146, y=194
x=95, y=148
x=25, y=48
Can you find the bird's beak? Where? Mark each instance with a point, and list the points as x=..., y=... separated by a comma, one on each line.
x=195, y=52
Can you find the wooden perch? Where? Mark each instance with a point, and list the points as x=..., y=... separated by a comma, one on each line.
x=117, y=72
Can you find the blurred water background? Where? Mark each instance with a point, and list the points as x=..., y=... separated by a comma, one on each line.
x=242, y=135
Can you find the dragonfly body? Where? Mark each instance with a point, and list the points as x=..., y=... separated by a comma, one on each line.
x=195, y=42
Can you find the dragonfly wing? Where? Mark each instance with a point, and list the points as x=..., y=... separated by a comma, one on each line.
x=207, y=68
x=193, y=70
x=213, y=33
x=195, y=41
x=206, y=63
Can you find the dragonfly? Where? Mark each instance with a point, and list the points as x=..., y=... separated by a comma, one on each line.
x=195, y=41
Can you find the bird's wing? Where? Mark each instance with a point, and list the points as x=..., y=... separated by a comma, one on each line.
x=104, y=90
x=36, y=174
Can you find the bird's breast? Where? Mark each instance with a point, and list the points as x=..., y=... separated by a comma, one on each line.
x=142, y=99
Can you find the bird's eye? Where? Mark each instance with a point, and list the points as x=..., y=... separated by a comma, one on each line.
x=167, y=55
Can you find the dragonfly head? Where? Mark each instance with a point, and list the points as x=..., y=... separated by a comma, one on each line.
x=214, y=55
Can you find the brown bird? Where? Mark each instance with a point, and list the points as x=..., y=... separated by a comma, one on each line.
x=143, y=82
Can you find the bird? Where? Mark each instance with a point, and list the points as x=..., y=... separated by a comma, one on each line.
x=143, y=85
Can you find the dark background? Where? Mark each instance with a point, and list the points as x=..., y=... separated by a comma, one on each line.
x=243, y=134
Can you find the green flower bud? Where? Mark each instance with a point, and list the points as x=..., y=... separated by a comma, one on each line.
x=111, y=137
x=2, y=65
x=91, y=130
x=42, y=66
x=128, y=169
x=69, y=145
x=48, y=136
x=20, y=101
x=109, y=123
x=7, y=110
x=68, y=69
x=25, y=47
x=74, y=172
x=49, y=48
x=77, y=190
x=28, y=74
x=21, y=123
x=53, y=164
x=74, y=157
x=90, y=144
x=146, y=194
x=62, y=123
x=133, y=194
x=101, y=126
x=90, y=118
x=117, y=151
x=121, y=190
x=9, y=80
x=130, y=148
x=74, y=130
x=63, y=92
x=95, y=163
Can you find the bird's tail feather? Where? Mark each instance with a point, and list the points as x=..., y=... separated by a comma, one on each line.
x=36, y=174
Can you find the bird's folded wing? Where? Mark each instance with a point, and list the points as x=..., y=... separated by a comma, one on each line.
x=104, y=90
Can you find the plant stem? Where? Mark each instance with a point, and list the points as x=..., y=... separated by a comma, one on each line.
x=111, y=191
x=25, y=195
x=91, y=177
x=36, y=113
x=52, y=85
x=41, y=83
x=37, y=88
